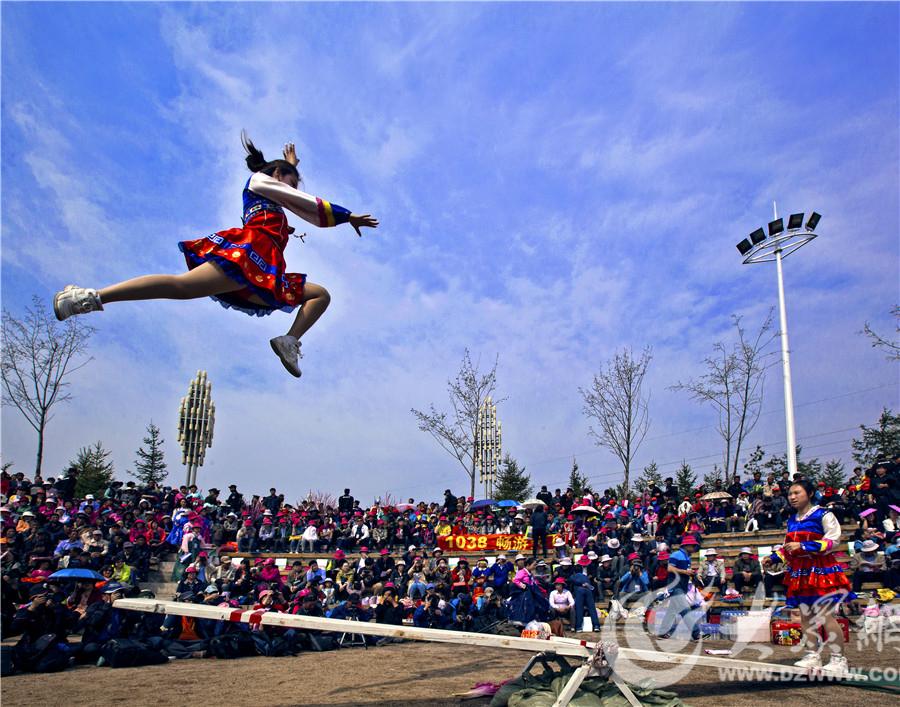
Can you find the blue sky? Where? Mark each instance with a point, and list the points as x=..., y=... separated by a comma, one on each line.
x=553, y=181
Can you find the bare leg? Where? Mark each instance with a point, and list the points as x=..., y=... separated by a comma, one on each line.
x=833, y=631
x=315, y=302
x=204, y=280
x=808, y=627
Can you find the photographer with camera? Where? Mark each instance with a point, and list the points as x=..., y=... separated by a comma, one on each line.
x=430, y=614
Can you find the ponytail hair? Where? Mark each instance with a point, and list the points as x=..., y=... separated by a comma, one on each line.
x=257, y=163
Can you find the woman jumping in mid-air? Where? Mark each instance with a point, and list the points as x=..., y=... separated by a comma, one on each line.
x=242, y=267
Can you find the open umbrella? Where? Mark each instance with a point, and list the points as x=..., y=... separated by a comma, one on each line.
x=506, y=504
x=533, y=503
x=404, y=506
x=78, y=573
x=475, y=505
x=585, y=509
x=717, y=495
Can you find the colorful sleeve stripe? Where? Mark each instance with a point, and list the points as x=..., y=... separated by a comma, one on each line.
x=331, y=214
x=823, y=545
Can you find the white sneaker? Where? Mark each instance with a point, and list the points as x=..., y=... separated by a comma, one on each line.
x=837, y=666
x=75, y=300
x=812, y=660
x=288, y=350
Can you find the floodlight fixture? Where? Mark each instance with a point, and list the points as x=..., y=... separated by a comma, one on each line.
x=745, y=246
x=776, y=226
x=813, y=221
x=758, y=236
x=794, y=222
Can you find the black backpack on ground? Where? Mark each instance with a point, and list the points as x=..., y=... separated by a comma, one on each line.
x=125, y=653
x=235, y=644
x=45, y=655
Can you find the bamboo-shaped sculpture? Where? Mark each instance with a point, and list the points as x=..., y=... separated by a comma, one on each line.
x=487, y=446
x=195, y=425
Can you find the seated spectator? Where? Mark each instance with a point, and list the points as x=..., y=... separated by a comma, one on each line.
x=747, y=571
x=190, y=583
x=102, y=622
x=606, y=577
x=867, y=565
x=562, y=603
x=45, y=613
x=634, y=583
x=767, y=516
x=463, y=613
x=717, y=516
x=711, y=571
x=659, y=576
x=246, y=537
x=892, y=561
x=85, y=594
x=461, y=578
x=775, y=574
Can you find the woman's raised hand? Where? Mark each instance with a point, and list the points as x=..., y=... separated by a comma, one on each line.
x=365, y=220
x=289, y=154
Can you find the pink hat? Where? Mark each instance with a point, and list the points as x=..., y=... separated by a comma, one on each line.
x=689, y=540
x=584, y=560
x=633, y=556
x=559, y=580
x=385, y=551
x=270, y=561
x=339, y=555
x=363, y=549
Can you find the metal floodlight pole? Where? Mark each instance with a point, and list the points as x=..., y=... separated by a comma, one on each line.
x=487, y=445
x=780, y=245
x=195, y=425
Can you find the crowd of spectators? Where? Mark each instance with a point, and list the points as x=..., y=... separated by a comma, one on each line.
x=602, y=547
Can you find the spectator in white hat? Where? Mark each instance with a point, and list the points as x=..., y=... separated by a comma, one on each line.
x=867, y=565
x=712, y=571
x=747, y=571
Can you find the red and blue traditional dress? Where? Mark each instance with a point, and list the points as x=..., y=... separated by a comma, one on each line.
x=814, y=575
x=254, y=254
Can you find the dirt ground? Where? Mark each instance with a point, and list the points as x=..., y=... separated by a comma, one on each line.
x=408, y=674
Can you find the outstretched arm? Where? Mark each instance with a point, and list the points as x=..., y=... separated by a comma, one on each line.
x=310, y=208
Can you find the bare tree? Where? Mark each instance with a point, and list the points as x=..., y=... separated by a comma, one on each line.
x=733, y=386
x=456, y=431
x=616, y=403
x=38, y=354
x=891, y=348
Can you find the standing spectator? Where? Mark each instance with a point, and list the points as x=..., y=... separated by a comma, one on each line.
x=544, y=495
x=747, y=570
x=345, y=503
x=450, y=502
x=272, y=502
x=235, y=500
x=583, y=592
x=538, y=525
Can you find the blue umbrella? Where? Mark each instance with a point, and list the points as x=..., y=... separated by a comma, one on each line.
x=506, y=504
x=480, y=504
x=77, y=573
